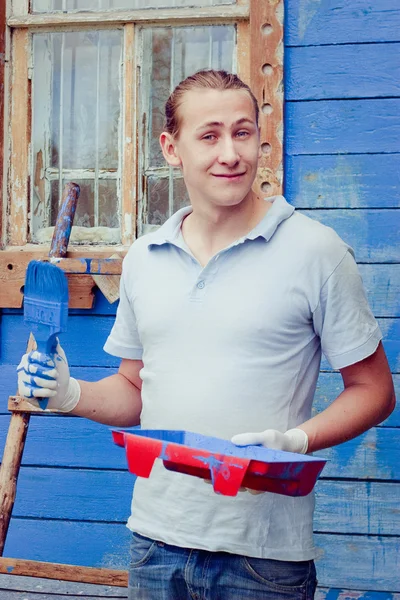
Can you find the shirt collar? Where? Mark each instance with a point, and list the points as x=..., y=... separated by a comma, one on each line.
x=169, y=233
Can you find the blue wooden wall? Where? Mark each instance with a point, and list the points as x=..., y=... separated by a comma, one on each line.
x=342, y=166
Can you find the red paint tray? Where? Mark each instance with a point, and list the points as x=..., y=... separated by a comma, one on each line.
x=229, y=467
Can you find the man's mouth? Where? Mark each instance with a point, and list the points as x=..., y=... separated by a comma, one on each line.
x=228, y=175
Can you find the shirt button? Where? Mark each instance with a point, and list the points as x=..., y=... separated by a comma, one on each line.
x=201, y=284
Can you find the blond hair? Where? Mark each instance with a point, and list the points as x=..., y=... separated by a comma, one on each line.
x=208, y=79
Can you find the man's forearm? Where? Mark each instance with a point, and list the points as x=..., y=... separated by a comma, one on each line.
x=113, y=401
x=354, y=411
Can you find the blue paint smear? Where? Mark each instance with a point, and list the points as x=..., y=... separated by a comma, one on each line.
x=10, y=569
x=88, y=264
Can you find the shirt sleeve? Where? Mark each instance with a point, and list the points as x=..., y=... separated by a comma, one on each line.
x=124, y=340
x=343, y=319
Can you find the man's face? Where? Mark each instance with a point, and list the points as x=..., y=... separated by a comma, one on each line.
x=218, y=146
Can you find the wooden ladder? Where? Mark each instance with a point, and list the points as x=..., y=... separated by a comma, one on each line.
x=21, y=412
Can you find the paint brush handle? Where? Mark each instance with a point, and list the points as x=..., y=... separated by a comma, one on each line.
x=58, y=249
x=65, y=218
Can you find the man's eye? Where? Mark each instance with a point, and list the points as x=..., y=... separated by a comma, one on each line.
x=209, y=136
x=242, y=133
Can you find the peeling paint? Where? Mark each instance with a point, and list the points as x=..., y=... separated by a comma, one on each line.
x=307, y=11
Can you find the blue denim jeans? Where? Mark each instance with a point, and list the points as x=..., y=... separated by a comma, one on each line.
x=159, y=571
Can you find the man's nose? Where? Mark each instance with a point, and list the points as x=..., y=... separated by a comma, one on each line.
x=228, y=154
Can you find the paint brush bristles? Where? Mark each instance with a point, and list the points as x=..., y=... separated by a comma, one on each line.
x=45, y=305
x=45, y=302
x=45, y=281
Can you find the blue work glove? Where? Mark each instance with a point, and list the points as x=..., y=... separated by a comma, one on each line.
x=294, y=440
x=44, y=376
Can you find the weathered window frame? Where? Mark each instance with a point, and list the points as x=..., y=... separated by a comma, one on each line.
x=259, y=63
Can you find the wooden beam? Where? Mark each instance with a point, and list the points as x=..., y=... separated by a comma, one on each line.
x=207, y=15
x=20, y=139
x=11, y=462
x=2, y=124
x=266, y=60
x=10, y=465
x=33, y=568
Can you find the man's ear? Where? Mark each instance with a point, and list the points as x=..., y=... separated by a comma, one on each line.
x=169, y=150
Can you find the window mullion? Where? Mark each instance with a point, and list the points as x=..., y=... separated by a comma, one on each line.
x=96, y=179
x=19, y=8
x=61, y=124
x=19, y=134
x=129, y=143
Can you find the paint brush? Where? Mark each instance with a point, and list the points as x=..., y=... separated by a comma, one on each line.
x=45, y=306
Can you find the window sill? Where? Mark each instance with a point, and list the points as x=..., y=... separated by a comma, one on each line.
x=81, y=264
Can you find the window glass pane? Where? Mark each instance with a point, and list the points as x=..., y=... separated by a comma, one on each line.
x=76, y=122
x=83, y=231
x=165, y=200
x=175, y=54
x=158, y=211
x=40, y=6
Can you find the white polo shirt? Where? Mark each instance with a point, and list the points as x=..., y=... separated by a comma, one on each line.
x=234, y=347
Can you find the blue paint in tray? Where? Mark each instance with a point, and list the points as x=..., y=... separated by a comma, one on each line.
x=220, y=446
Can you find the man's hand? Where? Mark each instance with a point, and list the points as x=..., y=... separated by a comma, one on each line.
x=294, y=440
x=44, y=376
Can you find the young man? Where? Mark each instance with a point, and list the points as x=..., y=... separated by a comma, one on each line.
x=223, y=315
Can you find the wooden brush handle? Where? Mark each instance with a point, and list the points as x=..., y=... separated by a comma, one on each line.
x=65, y=218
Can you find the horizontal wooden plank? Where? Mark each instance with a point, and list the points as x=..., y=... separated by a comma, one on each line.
x=80, y=292
x=89, y=266
x=13, y=263
x=74, y=442
x=353, y=71
x=12, y=595
x=339, y=22
x=74, y=494
x=330, y=386
x=151, y=16
x=343, y=126
x=372, y=455
x=53, y=570
x=373, y=233
x=72, y=437
x=340, y=594
x=93, y=330
x=8, y=379
x=101, y=306
x=382, y=286
x=358, y=562
x=69, y=542
x=74, y=592
x=355, y=507
x=57, y=588
x=343, y=181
